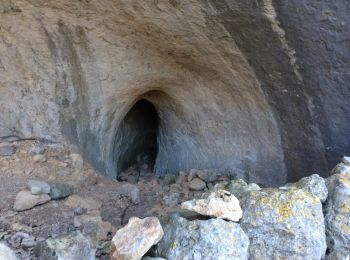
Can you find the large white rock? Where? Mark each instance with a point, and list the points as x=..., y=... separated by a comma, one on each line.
x=26, y=200
x=6, y=253
x=284, y=224
x=220, y=204
x=136, y=238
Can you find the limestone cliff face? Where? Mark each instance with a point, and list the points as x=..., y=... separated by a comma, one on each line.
x=238, y=85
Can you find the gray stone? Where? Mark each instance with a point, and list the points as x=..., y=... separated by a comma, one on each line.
x=6, y=253
x=131, y=191
x=313, y=184
x=205, y=175
x=60, y=190
x=337, y=216
x=38, y=187
x=152, y=258
x=172, y=199
x=341, y=168
x=346, y=160
x=284, y=224
x=202, y=239
x=238, y=187
x=26, y=200
x=170, y=178
x=219, y=204
x=7, y=149
x=197, y=184
x=72, y=246
x=134, y=240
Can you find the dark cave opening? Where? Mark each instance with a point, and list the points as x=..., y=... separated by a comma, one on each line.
x=137, y=136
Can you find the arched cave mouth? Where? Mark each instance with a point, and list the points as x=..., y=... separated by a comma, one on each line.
x=137, y=136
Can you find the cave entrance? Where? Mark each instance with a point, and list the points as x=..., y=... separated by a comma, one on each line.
x=138, y=136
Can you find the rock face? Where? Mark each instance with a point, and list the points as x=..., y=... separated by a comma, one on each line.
x=7, y=149
x=73, y=246
x=6, y=253
x=220, y=204
x=337, y=216
x=26, y=200
x=225, y=99
x=284, y=224
x=136, y=238
x=202, y=239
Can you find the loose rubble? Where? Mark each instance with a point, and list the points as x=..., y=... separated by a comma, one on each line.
x=136, y=238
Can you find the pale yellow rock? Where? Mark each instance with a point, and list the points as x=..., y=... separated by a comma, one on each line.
x=25, y=200
x=136, y=238
x=220, y=204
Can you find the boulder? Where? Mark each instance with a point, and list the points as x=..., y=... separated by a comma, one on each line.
x=7, y=149
x=346, y=160
x=26, y=200
x=197, y=184
x=205, y=175
x=6, y=253
x=202, y=239
x=72, y=246
x=131, y=191
x=313, y=184
x=220, y=204
x=60, y=190
x=337, y=216
x=284, y=224
x=341, y=168
x=134, y=240
x=38, y=187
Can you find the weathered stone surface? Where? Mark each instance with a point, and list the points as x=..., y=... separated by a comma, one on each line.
x=202, y=239
x=240, y=188
x=6, y=253
x=341, y=168
x=60, y=190
x=77, y=160
x=172, y=199
x=38, y=187
x=73, y=246
x=337, y=216
x=26, y=200
x=136, y=238
x=197, y=184
x=205, y=175
x=284, y=224
x=220, y=204
x=131, y=191
x=76, y=201
x=7, y=149
x=314, y=184
x=346, y=160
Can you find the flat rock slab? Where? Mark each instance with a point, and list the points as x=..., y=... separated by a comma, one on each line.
x=202, y=239
x=26, y=200
x=220, y=204
x=134, y=240
x=60, y=190
x=6, y=253
x=7, y=149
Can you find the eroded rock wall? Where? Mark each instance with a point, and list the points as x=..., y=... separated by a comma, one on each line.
x=223, y=76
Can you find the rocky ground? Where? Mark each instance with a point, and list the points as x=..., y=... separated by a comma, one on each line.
x=55, y=206
x=138, y=193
